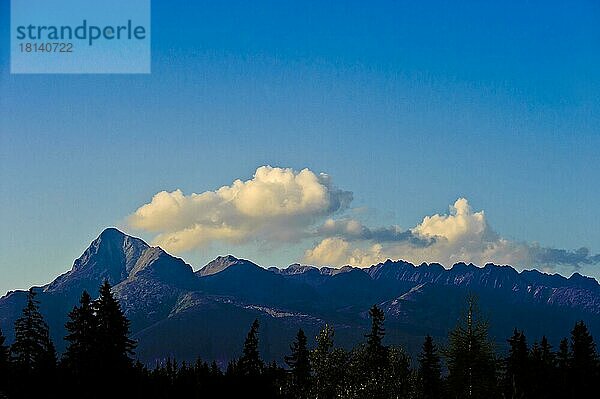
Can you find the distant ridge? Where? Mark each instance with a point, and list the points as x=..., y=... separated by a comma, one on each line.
x=178, y=312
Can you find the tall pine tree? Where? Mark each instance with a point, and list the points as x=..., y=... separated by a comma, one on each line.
x=299, y=363
x=547, y=356
x=377, y=352
x=542, y=370
x=81, y=354
x=516, y=378
x=250, y=364
x=430, y=370
x=471, y=359
x=369, y=366
x=563, y=363
x=114, y=346
x=33, y=350
x=584, y=362
x=329, y=366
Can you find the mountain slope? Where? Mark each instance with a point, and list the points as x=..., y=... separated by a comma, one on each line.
x=111, y=256
x=153, y=286
x=175, y=311
x=576, y=292
x=145, y=279
x=246, y=281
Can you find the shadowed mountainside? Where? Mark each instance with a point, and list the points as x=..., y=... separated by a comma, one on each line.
x=177, y=312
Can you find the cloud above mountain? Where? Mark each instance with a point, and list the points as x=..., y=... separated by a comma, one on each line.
x=462, y=235
x=277, y=204
x=282, y=205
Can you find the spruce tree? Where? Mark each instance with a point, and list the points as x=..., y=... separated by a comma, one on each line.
x=33, y=350
x=547, y=370
x=299, y=363
x=542, y=370
x=250, y=364
x=398, y=377
x=584, y=361
x=81, y=354
x=321, y=361
x=375, y=348
x=536, y=369
x=563, y=357
x=516, y=378
x=563, y=364
x=430, y=380
x=547, y=356
x=370, y=374
x=328, y=364
x=470, y=358
x=114, y=346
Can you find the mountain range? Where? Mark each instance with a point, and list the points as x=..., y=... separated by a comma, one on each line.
x=177, y=312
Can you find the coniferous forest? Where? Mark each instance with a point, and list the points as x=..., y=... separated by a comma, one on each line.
x=99, y=362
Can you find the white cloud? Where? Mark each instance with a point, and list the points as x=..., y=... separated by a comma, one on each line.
x=462, y=235
x=277, y=204
x=330, y=251
x=460, y=225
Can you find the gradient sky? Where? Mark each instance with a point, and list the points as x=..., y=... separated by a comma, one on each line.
x=409, y=105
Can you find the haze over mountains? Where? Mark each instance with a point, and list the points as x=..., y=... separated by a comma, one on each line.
x=178, y=312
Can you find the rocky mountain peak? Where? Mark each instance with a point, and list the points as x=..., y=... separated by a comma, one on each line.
x=219, y=264
x=111, y=256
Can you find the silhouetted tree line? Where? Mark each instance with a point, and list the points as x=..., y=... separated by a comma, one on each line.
x=98, y=363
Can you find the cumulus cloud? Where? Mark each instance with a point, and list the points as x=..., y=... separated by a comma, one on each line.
x=462, y=235
x=281, y=205
x=336, y=251
x=277, y=204
x=462, y=224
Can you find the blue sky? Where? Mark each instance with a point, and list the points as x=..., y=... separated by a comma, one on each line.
x=408, y=106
